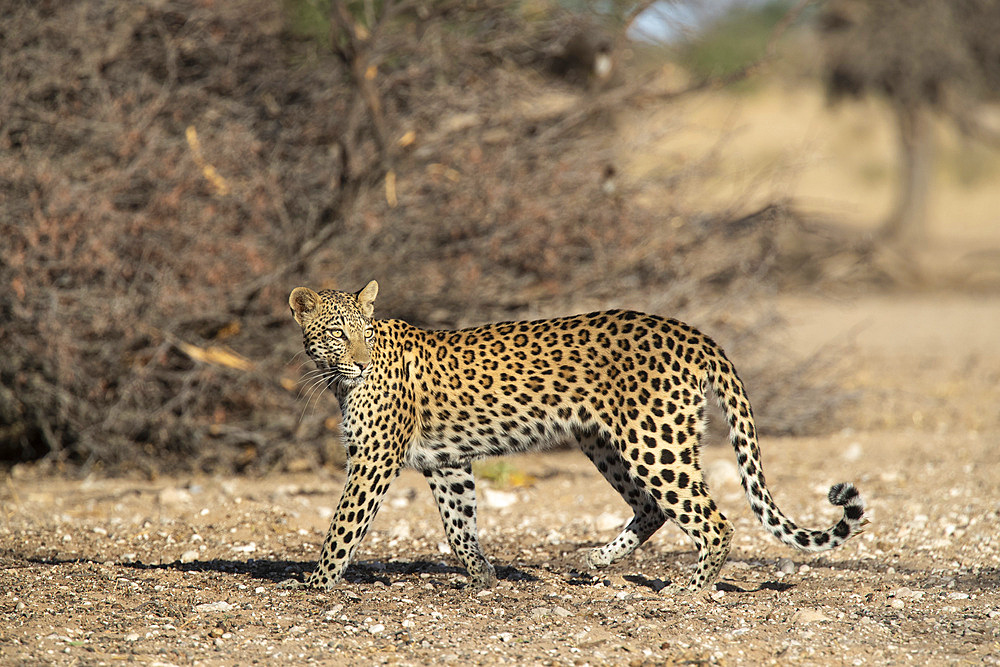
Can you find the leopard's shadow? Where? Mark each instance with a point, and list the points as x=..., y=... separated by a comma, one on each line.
x=361, y=572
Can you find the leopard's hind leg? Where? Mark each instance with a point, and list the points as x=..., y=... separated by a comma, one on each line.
x=662, y=459
x=647, y=517
x=454, y=490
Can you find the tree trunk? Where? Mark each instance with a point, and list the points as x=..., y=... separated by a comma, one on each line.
x=907, y=225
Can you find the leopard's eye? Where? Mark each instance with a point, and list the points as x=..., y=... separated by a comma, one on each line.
x=369, y=332
x=334, y=334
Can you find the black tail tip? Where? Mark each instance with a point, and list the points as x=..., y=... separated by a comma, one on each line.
x=842, y=494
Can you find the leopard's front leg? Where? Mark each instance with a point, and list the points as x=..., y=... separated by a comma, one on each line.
x=367, y=482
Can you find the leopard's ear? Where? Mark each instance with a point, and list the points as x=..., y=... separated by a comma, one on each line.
x=304, y=304
x=366, y=298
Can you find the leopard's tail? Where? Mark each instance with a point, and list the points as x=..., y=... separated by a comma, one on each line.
x=733, y=399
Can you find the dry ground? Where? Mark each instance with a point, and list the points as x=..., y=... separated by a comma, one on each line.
x=182, y=571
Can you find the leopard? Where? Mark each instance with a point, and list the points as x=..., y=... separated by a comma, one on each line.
x=629, y=388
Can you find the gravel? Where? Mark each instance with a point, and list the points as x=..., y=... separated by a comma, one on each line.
x=161, y=572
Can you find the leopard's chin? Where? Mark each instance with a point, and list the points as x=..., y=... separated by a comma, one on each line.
x=347, y=383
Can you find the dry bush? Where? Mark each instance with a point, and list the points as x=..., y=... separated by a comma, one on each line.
x=172, y=168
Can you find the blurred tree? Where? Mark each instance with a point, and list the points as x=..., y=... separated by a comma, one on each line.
x=925, y=57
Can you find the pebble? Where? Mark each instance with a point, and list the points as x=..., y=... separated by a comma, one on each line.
x=498, y=499
x=722, y=473
x=804, y=616
x=904, y=593
x=540, y=612
x=221, y=605
x=173, y=496
x=853, y=452
x=608, y=521
x=376, y=628
x=562, y=611
x=189, y=556
x=786, y=566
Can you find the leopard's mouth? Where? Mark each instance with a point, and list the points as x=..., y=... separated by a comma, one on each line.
x=348, y=375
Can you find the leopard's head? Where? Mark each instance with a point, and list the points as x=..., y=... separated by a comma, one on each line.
x=337, y=331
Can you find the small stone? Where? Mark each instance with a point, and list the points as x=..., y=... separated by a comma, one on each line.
x=608, y=521
x=132, y=637
x=505, y=637
x=805, y=616
x=207, y=607
x=376, y=628
x=786, y=566
x=853, y=452
x=896, y=603
x=173, y=496
x=498, y=499
x=722, y=473
x=904, y=593
x=189, y=556
x=399, y=502
x=562, y=611
x=958, y=596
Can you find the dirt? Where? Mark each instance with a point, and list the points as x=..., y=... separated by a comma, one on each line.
x=188, y=570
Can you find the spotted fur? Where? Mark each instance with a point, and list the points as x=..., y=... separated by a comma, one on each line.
x=629, y=387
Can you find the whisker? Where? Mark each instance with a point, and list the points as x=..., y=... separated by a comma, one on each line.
x=311, y=375
x=314, y=390
x=308, y=386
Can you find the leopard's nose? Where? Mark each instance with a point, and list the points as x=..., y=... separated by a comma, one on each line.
x=362, y=365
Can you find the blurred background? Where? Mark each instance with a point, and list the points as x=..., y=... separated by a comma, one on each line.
x=814, y=184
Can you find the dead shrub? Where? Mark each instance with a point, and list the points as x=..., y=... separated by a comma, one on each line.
x=164, y=185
